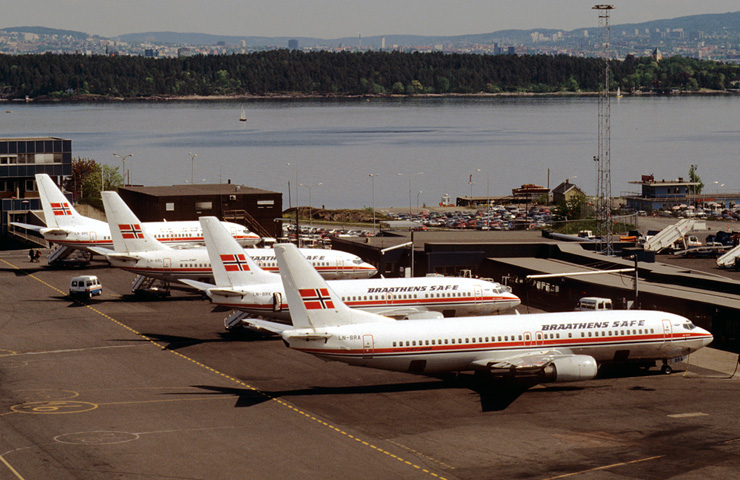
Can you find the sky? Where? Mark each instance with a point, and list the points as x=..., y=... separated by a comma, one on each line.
x=337, y=18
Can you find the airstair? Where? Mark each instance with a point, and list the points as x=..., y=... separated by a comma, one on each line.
x=670, y=234
x=150, y=286
x=729, y=259
x=62, y=255
x=234, y=319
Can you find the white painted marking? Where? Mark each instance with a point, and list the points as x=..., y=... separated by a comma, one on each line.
x=688, y=415
x=68, y=351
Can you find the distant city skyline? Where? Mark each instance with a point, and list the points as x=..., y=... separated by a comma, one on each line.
x=338, y=18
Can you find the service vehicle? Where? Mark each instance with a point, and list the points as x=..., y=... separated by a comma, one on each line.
x=85, y=286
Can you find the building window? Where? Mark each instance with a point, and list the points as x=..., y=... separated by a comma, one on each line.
x=203, y=205
x=169, y=206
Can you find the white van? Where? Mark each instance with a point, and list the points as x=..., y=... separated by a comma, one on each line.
x=594, y=303
x=85, y=286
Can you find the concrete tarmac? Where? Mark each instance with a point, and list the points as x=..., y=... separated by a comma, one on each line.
x=118, y=387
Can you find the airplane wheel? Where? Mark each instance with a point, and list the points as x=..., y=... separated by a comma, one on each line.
x=666, y=369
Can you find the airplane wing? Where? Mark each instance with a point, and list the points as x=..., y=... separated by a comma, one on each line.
x=212, y=289
x=108, y=253
x=407, y=313
x=551, y=365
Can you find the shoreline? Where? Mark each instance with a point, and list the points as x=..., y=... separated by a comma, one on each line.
x=309, y=96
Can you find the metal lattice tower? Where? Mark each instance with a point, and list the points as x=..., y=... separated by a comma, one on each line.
x=603, y=156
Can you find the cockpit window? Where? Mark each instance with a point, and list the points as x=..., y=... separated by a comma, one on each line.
x=689, y=326
x=357, y=261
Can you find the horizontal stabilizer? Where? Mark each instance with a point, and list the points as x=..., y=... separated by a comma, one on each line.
x=273, y=327
x=28, y=226
x=202, y=286
x=101, y=251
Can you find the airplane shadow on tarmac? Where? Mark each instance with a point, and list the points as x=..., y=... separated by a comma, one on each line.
x=494, y=396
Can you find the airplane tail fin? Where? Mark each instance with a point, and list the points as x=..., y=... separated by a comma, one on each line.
x=312, y=303
x=232, y=265
x=58, y=211
x=125, y=227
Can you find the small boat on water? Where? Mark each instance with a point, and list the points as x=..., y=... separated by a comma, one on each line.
x=243, y=117
x=619, y=93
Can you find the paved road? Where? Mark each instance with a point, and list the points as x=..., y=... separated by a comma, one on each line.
x=121, y=388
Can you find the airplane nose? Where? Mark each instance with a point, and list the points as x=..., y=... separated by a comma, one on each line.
x=707, y=340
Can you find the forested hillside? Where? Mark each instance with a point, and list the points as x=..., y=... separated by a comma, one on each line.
x=325, y=73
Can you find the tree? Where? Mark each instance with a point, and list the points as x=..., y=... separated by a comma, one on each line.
x=91, y=186
x=572, y=209
x=693, y=177
x=81, y=168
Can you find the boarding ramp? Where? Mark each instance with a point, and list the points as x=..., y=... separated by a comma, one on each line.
x=148, y=286
x=234, y=319
x=670, y=234
x=729, y=259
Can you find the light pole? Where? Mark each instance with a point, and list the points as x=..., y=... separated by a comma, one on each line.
x=372, y=180
x=716, y=196
x=310, y=213
x=410, y=194
x=488, y=188
x=471, y=182
x=297, y=226
x=123, y=159
x=192, y=165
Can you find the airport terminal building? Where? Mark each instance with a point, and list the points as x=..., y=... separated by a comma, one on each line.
x=20, y=160
x=253, y=207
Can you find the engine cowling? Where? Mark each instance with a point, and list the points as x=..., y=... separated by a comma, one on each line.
x=571, y=368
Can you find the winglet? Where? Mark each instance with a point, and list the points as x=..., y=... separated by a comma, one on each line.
x=232, y=265
x=125, y=227
x=312, y=303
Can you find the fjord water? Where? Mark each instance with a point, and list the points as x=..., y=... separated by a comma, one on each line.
x=434, y=144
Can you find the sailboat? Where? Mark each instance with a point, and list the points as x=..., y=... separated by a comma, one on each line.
x=243, y=117
x=619, y=93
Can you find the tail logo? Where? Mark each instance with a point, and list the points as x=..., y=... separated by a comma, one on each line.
x=235, y=262
x=316, y=298
x=61, y=209
x=131, y=231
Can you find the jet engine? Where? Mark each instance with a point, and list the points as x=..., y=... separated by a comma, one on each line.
x=570, y=368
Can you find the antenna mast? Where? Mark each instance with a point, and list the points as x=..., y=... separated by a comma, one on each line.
x=603, y=156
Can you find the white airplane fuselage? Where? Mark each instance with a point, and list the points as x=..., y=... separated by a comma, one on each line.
x=396, y=297
x=436, y=346
x=94, y=233
x=193, y=263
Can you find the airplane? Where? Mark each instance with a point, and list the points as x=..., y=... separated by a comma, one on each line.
x=137, y=251
x=543, y=347
x=242, y=284
x=65, y=226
